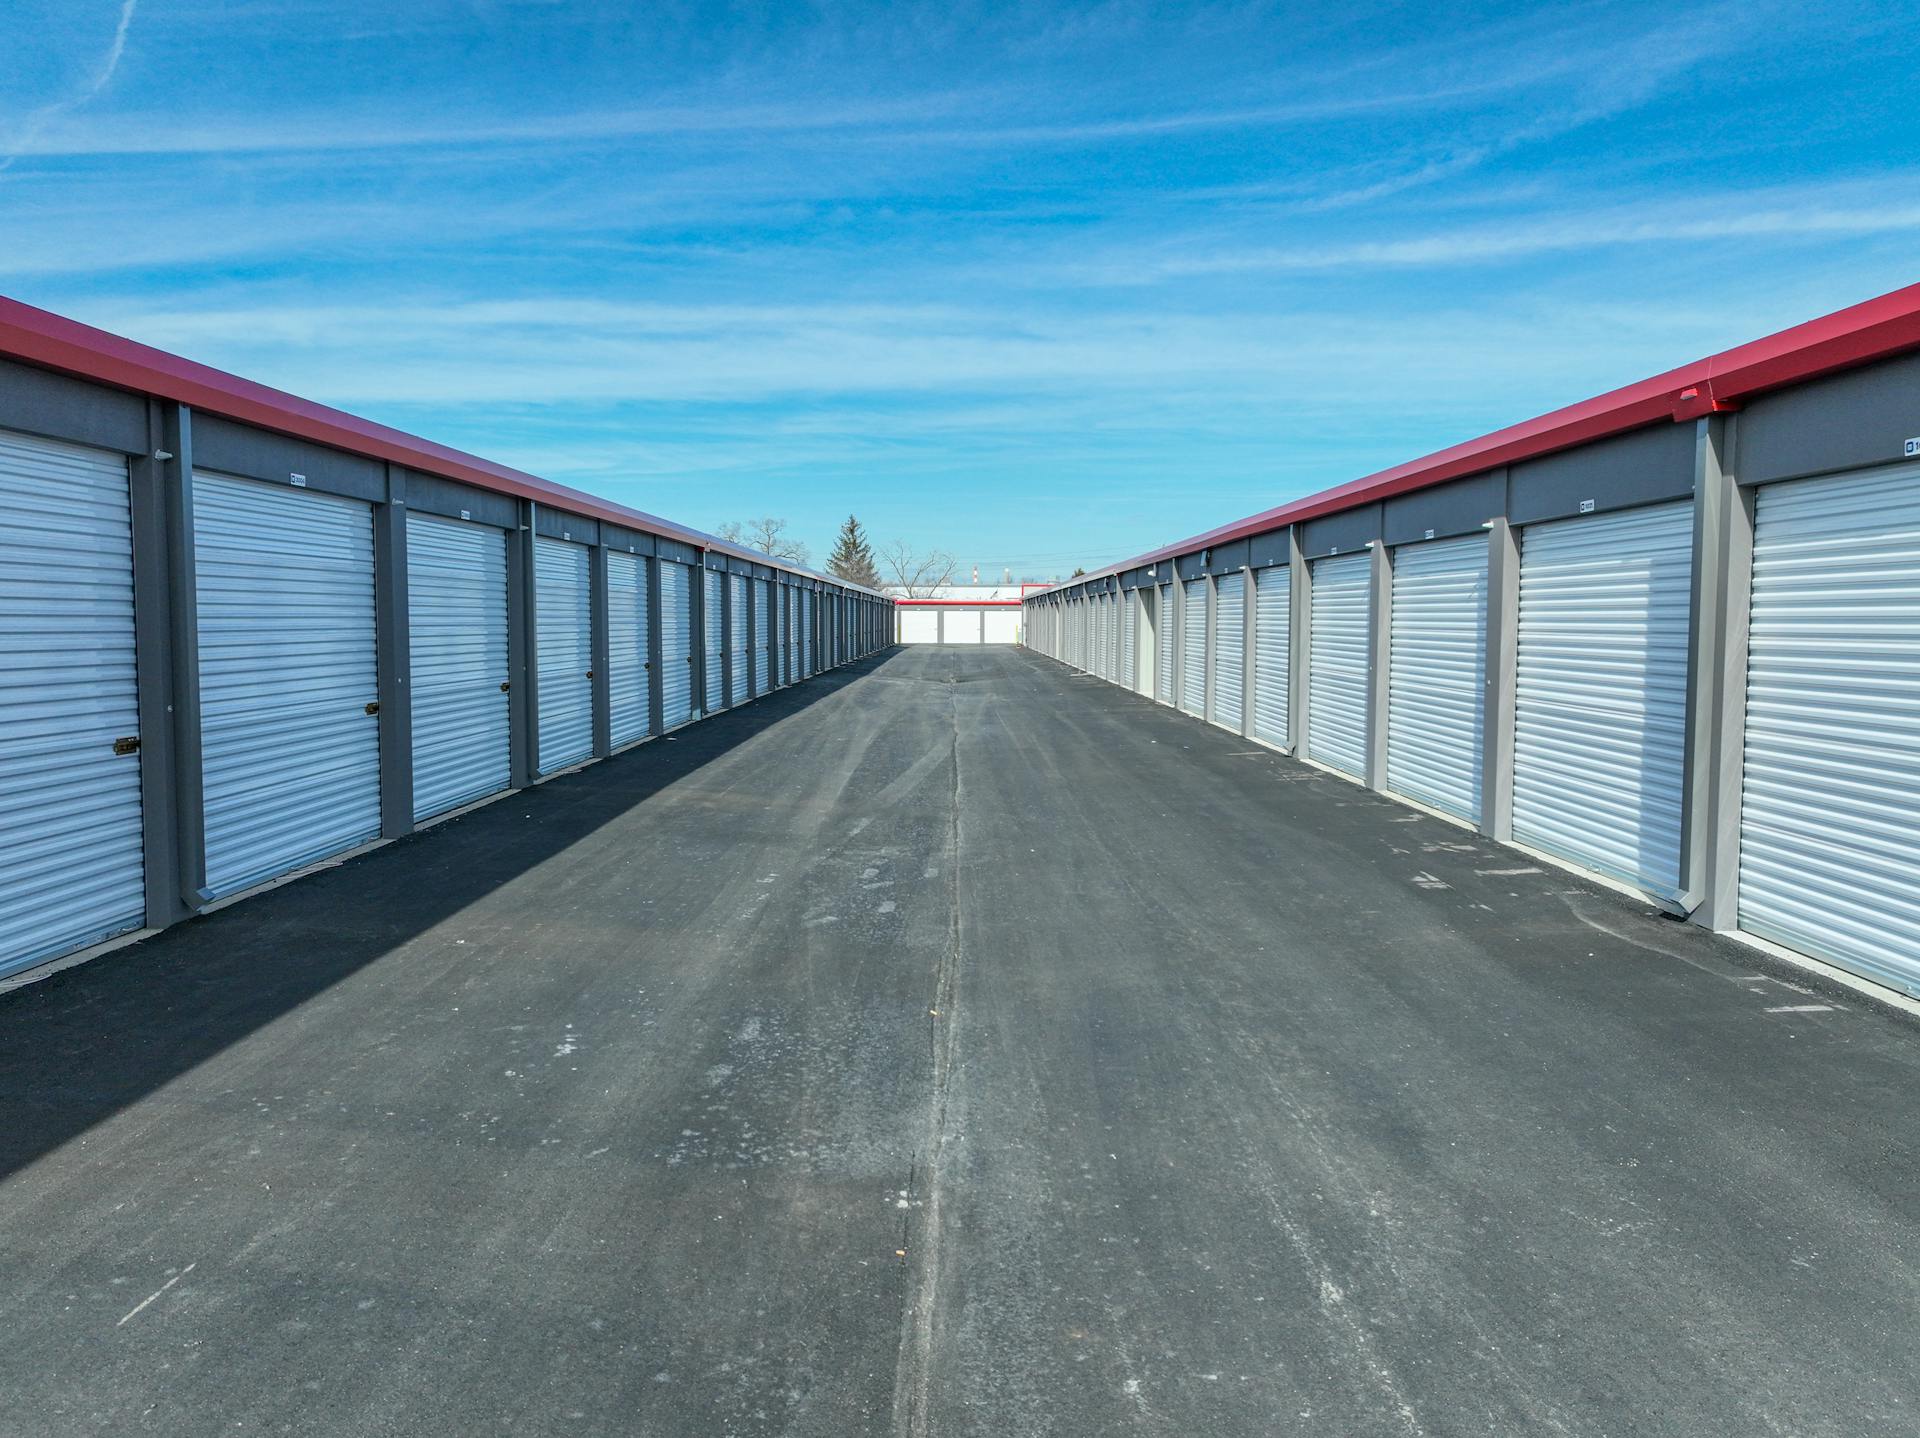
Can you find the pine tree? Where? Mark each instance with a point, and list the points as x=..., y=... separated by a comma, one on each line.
x=852, y=557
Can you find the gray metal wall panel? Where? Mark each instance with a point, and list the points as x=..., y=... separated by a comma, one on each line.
x=1341, y=533
x=457, y=661
x=1461, y=506
x=429, y=494
x=1337, y=665
x=1437, y=673
x=1830, y=798
x=628, y=541
x=563, y=610
x=629, y=642
x=1228, y=558
x=290, y=758
x=1645, y=467
x=674, y=550
x=229, y=447
x=1268, y=548
x=1846, y=421
x=569, y=528
x=71, y=843
x=58, y=406
x=1600, y=691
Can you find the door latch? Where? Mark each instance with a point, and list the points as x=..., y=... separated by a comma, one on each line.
x=129, y=745
x=374, y=708
x=505, y=685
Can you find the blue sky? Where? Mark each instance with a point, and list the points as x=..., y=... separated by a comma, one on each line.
x=1038, y=284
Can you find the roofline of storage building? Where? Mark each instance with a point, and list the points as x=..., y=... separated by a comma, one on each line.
x=39, y=337
x=1846, y=339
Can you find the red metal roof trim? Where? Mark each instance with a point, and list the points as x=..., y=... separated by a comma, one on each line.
x=55, y=342
x=1858, y=335
x=957, y=603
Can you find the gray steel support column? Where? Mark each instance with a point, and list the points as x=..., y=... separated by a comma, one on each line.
x=523, y=672
x=600, y=647
x=1249, y=640
x=656, y=649
x=1379, y=660
x=150, y=477
x=1299, y=641
x=1496, y=713
x=392, y=630
x=189, y=798
x=1716, y=677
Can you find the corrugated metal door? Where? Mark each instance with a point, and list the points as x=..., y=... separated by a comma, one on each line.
x=1337, y=667
x=1601, y=691
x=1272, y=635
x=457, y=661
x=739, y=645
x=1164, y=645
x=762, y=635
x=715, y=646
x=793, y=634
x=1830, y=807
x=1129, y=642
x=290, y=757
x=1000, y=626
x=1437, y=643
x=1230, y=651
x=676, y=643
x=71, y=868
x=1193, y=662
x=919, y=626
x=563, y=612
x=629, y=644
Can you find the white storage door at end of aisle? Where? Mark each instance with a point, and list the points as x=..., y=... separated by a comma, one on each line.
x=1830, y=809
x=960, y=626
x=290, y=757
x=919, y=626
x=629, y=647
x=1002, y=626
x=1600, y=691
x=1436, y=690
x=1193, y=662
x=457, y=658
x=1337, y=670
x=563, y=616
x=1230, y=651
x=1272, y=657
x=71, y=867
x=676, y=644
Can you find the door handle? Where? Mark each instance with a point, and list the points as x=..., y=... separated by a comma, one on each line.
x=374, y=708
x=505, y=685
x=128, y=745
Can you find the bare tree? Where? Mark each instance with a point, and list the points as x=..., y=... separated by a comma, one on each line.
x=769, y=536
x=915, y=575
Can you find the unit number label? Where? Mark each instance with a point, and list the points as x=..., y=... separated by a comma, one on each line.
x=1913, y=447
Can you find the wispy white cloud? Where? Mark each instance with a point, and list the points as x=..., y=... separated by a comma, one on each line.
x=102, y=76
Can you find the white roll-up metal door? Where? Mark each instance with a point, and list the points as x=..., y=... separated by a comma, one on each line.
x=1108, y=634
x=1129, y=641
x=919, y=626
x=1338, y=663
x=1601, y=691
x=563, y=615
x=629, y=648
x=960, y=626
x=1830, y=798
x=739, y=642
x=290, y=754
x=714, y=646
x=1272, y=656
x=1164, y=644
x=1193, y=661
x=457, y=662
x=792, y=607
x=71, y=866
x=762, y=636
x=807, y=611
x=1229, y=651
x=676, y=644
x=1437, y=644
x=1001, y=626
